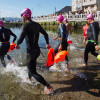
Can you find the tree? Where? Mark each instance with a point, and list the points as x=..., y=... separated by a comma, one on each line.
x=3, y=19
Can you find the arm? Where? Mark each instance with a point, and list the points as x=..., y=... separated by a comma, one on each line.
x=22, y=35
x=55, y=38
x=11, y=33
x=94, y=34
x=62, y=37
x=67, y=30
x=95, y=37
x=45, y=36
x=62, y=33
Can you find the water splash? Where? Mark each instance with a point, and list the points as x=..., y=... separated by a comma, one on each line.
x=53, y=69
x=61, y=68
x=77, y=60
x=80, y=49
x=20, y=72
x=72, y=47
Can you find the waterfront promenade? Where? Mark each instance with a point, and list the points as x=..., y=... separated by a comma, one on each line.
x=77, y=18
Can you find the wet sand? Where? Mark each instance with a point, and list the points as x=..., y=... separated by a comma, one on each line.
x=81, y=83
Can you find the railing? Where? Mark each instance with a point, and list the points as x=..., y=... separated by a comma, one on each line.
x=77, y=18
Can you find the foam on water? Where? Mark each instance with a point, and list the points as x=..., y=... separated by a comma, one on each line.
x=72, y=47
x=60, y=68
x=77, y=60
x=80, y=49
x=53, y=69
x=20, y=72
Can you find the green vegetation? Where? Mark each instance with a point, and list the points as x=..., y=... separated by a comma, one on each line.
x=74, y=24
x=50, y=26
x=48, y=23
x=3, y=19
x=14, y=24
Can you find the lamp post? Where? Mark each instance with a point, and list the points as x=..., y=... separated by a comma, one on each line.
x=55, y=10
x=32, y=12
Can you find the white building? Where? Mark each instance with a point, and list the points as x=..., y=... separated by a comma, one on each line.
x=86, y=5
x=76, y=5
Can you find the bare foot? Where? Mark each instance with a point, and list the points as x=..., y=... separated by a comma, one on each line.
x=28, y=79
x=94, y=90
x=66, y=69
x=48, y=90
x=55, y=67
x=83, y=65
x=66, y=65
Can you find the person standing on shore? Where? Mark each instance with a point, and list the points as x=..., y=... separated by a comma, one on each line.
x=4, y=43
x=30, y=32
x=92, y=35
x=85, y=27
x=62, y=41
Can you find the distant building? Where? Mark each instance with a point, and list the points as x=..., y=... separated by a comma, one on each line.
x=91, y=5
x=66, y=9
x=76, y=5
x=86, y=5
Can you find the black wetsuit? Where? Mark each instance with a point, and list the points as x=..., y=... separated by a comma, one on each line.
x=92, y=35
x=30, y=31
x=62, y=31
x=4, y=43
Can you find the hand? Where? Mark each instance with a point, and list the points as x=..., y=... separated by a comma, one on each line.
x=48, y=46
x=60, y=48
x=55, y=38
x=17, y=47
x=96, y=47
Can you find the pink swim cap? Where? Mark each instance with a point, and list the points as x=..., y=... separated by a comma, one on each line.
x=90, y=16
x=65, y=20
x=60, y=18
x=1, y=23
x=26, y=12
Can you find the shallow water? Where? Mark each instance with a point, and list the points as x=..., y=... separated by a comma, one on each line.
x=13, y=80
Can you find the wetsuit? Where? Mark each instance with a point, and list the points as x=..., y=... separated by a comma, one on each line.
x=62, y=31
x=92, y=35
x=4, y=43
x=30, y=31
